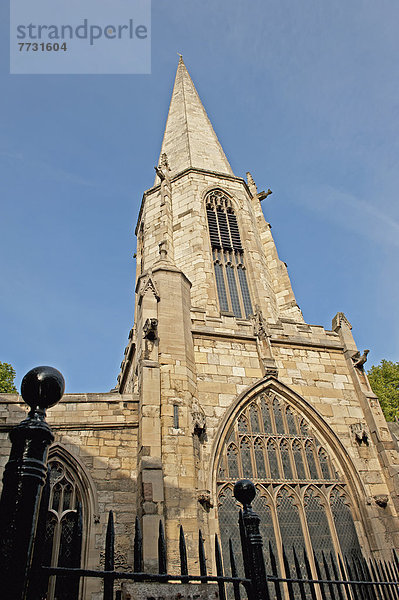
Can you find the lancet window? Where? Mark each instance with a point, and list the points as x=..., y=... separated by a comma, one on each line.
x=63, y=537
x=228, y=256
x=302, y=500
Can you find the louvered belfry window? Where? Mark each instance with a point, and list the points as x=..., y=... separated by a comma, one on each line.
x=301, y=498
x=228, y=256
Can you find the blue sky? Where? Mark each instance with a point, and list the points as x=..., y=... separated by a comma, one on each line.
x=305, y=95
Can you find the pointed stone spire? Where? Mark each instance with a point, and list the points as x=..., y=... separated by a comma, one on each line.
x=189, y=139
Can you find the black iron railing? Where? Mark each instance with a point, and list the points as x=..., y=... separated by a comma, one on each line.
x=110, y=576
x=22, y=524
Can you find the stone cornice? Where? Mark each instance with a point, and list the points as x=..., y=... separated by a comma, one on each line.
x=78, y=426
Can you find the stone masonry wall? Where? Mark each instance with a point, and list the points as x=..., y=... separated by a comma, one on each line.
x=99, y=431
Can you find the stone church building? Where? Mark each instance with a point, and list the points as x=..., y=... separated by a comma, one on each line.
x=222, y=379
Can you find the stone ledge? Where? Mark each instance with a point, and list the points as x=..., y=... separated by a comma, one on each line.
x=169, y=591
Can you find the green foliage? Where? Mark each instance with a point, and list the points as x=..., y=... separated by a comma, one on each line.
x=7, y=377
x=384, y=381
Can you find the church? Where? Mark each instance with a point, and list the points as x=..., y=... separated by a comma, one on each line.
x=222, y=379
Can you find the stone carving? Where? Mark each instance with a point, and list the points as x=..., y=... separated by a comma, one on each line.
x=251, y=184
x=264, y=348
x=199, y=420
x=120, y=560
x=204, y=498
x=163, y=172
x=149, y=284
x=360, y=433
x=254, y=190
x=150, y=329
x=162, y=249
x=270, y=367
x=381, y=500
x=259, y=323
x=163, y=169
x=263, y=195
x=339, y=320
x=358, y=361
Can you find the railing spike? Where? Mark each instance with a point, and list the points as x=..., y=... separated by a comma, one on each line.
x=395, y=588
x=367, y=577
x=161, y=550
x=385, y=578
x=328, y=576
x=354, y=587
x=219, y=569
x=336, y=576
x=318, y=571
x=395, y=567
x=394, y=578
x=273, y=565
x=236, y=587
x=396, y=560
x=378, y=567
x=288, y=575
x=299, y=575
x=309, y=575
x=201, y=555
x=137, y=548
x=375, y=578
x=183, y=556
x=389, y=578
x=109, y=558
x=344, y=578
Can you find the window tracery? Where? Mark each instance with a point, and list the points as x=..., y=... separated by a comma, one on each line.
x=63, y=537
x=302, y=500
x=228, y=256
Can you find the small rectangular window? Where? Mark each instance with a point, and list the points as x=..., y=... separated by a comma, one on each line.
x=175, y=416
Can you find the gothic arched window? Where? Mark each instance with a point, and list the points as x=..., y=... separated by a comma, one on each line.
x=63, y=538
x=302, y=501
x=228, y=256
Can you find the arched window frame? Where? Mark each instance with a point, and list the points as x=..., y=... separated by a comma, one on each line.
x=327, y=461
x=324, y=438
x=324, y=501
x=310, y=447
x=88, y=497
x=297, y=442
x=273, y=443
x=246, y=441
x=288, y=410
x=259, y=442
x=233, y=289
x=285, y=443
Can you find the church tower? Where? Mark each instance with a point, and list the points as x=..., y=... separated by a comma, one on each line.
x=222, y=379
x=231, y=382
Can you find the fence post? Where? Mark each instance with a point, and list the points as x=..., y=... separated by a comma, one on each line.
x=24, y=478
x=244, y=492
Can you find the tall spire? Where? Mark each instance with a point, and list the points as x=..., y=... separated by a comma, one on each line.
x=189, y=139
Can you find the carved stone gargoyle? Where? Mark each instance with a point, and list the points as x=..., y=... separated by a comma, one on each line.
x=381, y=500
x=360, y=433
x=358, y=361
x=150, y=329
x=204, y=498
x=199, y=420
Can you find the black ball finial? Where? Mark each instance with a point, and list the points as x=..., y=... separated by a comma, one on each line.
x=42, y=387
x=244, y=491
